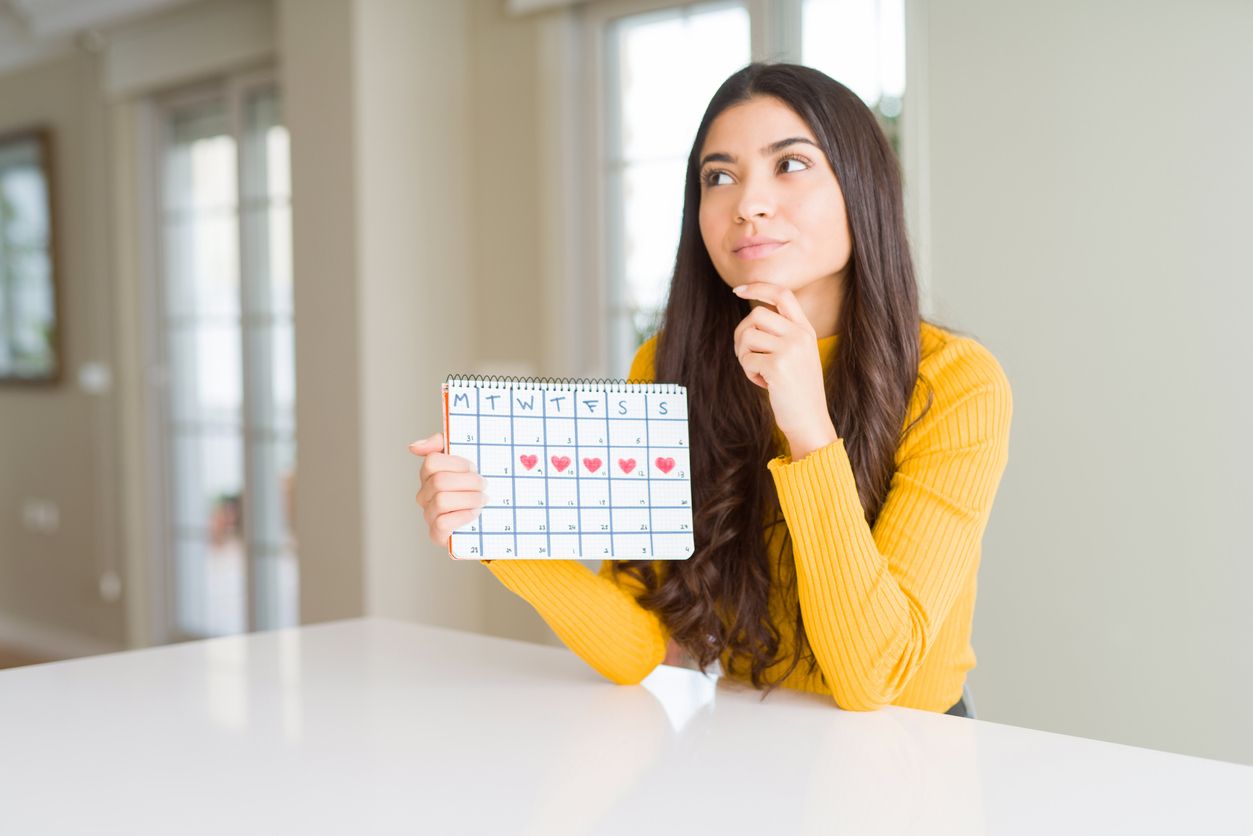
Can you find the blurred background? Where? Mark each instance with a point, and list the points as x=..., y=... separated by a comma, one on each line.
x=243, y=241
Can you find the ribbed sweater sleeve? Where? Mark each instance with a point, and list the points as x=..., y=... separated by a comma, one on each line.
x=596, y=617
x=874, y=600
x=593, y=613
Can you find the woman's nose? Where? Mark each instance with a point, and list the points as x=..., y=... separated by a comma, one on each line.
x=754, y=203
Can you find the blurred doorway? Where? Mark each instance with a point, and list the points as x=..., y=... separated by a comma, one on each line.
x=225, y=394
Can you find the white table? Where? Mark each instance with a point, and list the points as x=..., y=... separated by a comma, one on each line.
x=374, y=726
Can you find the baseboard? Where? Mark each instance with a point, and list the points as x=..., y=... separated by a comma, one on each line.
x=48, y=642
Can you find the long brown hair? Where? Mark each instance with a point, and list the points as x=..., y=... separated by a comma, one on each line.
x=718, y=599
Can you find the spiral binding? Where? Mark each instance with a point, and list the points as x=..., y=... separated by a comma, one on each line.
x=564, y=384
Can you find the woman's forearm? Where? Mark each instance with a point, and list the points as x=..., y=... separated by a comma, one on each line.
x=595, y=617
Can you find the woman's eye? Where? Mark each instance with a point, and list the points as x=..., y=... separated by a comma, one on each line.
x=800, y=165
x=712, y=178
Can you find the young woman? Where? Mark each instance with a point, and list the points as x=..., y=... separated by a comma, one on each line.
x=845, y=453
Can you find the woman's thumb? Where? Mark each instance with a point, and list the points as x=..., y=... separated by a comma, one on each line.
x=427, y=445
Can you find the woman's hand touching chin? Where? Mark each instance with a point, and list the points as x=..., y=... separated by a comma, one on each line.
x=778, y=350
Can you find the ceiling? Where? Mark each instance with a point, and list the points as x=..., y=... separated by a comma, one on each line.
x=35, y=30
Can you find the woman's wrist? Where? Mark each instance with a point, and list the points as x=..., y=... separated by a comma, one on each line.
x=802, y=444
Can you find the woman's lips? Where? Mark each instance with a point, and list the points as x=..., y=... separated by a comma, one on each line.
x=758, y=250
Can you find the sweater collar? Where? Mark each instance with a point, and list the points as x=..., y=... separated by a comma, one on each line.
x=826, y=349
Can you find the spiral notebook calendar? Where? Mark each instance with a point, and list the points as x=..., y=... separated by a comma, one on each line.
x=575, y=468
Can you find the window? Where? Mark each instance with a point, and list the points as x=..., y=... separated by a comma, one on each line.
x=659, y=69
x=860, y=43
x=224, y=328
x=659, y=104
x=28, y=315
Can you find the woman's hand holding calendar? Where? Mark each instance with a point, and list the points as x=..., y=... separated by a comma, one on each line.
x=452, y=492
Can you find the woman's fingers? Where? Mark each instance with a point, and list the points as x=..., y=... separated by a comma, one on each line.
x=449, y=501
x=441, y=462
x=758, y=341
x=452, y=492
x=428, y=445
x=753, y=364
x=446, y=524
x=764, y=319
x=450, y=480
x=769, y=320
x=783, y=299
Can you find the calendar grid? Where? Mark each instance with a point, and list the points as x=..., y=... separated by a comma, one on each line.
x=615, y=512
x=548, y=517
x=578, y=492
x=501, y=443
x=513, y=485
x=648, y=462
x=609, y=480
x=478, y=452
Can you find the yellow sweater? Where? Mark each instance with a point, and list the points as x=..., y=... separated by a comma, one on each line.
x=888, y=611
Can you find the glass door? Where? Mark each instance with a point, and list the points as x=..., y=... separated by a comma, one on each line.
x=225, y=328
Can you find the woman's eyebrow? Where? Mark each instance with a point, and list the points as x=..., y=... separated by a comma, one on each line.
x=776, y=147
x=772, y=148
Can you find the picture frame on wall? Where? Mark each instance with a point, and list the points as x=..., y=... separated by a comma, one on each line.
x=30, y=333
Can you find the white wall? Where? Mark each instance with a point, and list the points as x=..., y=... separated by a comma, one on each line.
x=57, y=441
x=414, y=154
x=376, y=97
x=1092, y=223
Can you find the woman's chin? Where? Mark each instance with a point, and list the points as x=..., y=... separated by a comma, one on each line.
x=758, y=272
x=765, y=276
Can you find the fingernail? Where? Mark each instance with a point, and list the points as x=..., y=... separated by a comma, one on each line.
x=738, y=291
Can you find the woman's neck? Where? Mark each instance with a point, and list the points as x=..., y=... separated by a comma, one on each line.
x=821, y=300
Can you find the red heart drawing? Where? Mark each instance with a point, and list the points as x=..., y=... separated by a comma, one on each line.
x=627, y=465
x=592, y=465
x=528, y=461
x=665, y=465
x=561, y=462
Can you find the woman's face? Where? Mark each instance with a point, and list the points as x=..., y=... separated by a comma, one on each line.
x=771, y=209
